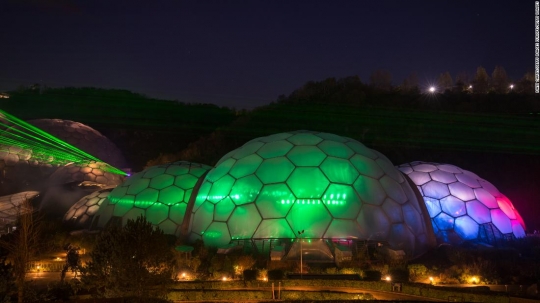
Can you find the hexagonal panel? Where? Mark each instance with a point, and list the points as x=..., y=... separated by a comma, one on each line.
x=247, y=150
x=478, y=212
x=373, y=223
x=392, y=210
x=171, y=195
x=342, y=201
x=162, y=181
x=517, y=229
x=340, y=228
x=486, y=198
x=413, y=219
x=245, y=166
x=217, y=235
x=389, y=168
x=138, y=185
x=506, y=207
x=275, y=149
x=177, y=212
x=152, y=172
x=461, y=191
x=157, y=213
x=221, y=189
x=307, y=183
x=426, y=168
x=224, y=209
x=123, y=205
x=185, y=181
x=367, y=166
x=168, y=227
x=369, y=190
x=275, y=170
x=444, y=221
x=466, y=228
x=245, y=190
x=419, y=178
x=275, y=201
x=339, y=170
x=436, y=190
x=177, y=170
x=501, y=221
x=393, y=189
x=132, y=214
x=202, y=218
x=336, y=149
x=274, y=229
x=244, y=221
x=449, y=168
x=146, y=198
x=453, y=206
x=402, y=238
x=312, y=218
x=468, y=180
x=306, y=156
x=304, y=139
x=361, y=149
x=220, y=170
x=443, y=177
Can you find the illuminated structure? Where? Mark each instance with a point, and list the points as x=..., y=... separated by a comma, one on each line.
x=29, y=155
x=11, y=208
x=329, y=186
x=463, y=206
x=83, y=137
x=161, y=193
x=80, y=215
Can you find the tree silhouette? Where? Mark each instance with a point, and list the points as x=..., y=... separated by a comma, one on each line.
x=481, y=81
x=499, y=80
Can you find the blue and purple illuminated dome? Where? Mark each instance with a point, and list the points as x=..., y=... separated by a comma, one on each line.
x=463, y=206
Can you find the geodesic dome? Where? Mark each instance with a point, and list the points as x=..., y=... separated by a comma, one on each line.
x=161, y=193
x=10, y=205
x=463, y=206
x=80, y=215
x=88, y=171
x=83, y=137
x=329, y=186
x=23, y=169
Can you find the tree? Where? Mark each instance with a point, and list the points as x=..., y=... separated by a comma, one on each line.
x=526, y=84
x=499, y=80
x=481, y=81
x=462, y=82
x=135, y=260
x=22, y=244
x=411, y=82
x=445, y=82
x=381, y=79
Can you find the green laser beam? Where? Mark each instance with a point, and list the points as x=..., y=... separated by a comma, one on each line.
x=44, y=146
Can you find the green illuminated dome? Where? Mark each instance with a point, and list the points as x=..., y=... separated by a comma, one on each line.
x=329, y=186
x=161, y=193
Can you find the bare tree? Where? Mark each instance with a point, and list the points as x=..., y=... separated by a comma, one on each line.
x=22, y=244
x=411, y=82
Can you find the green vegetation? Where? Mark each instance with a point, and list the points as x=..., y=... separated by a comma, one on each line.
x=135, y=260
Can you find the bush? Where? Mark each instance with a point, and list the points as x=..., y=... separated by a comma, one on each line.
x=399, y=274
x=250, y=274
x=372, y=275
x=276, y=274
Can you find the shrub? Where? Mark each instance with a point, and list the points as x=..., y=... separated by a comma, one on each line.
x=399, y=274
x=250, y=274
x=372, y=275
x=276, y=274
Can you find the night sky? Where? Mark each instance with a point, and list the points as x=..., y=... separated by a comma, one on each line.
x=244, y=54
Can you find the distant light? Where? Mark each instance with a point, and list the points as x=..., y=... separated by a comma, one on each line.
x=470, y=86
x=224, y=279
x=511, y=86
x=388, y=278
x=432, y=89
